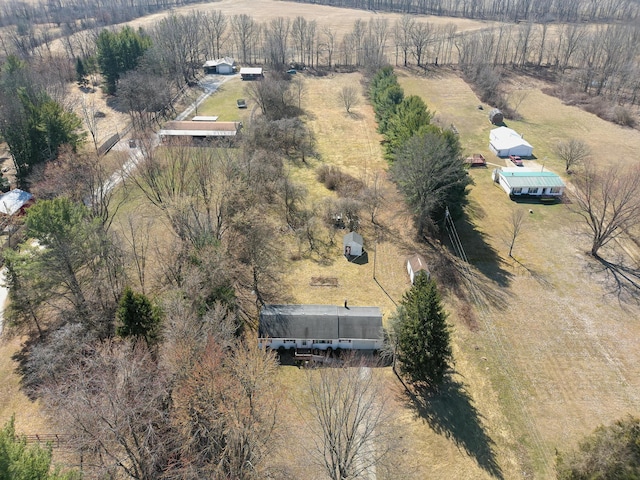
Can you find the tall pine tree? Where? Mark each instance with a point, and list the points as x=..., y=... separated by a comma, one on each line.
x=423, y=341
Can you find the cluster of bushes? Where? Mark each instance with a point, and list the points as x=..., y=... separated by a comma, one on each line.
x=600, y=106
x=485, y=81
x=427, y=161
x=338, y=181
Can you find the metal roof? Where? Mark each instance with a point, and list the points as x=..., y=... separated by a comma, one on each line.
x=200, y=129
x=503, y=138
x=320, y=322
x=13, y=201
x=531, y=179
x=204, y=118
x=353, y=237
x=220, y=61
x=251, y=71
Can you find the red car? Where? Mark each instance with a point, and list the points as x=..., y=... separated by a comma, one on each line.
x=516, y=160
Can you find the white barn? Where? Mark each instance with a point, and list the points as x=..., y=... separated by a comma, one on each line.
x=504, y=141
x=320, y=328
x=518, y=181
x=352, y=244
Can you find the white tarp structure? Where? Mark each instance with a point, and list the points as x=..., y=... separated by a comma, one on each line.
x=504, y=141
x=12, y=201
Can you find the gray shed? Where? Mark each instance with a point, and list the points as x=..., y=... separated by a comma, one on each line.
x=496, y=117
x=352, y=244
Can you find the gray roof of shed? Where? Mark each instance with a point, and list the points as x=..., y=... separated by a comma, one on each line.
x=353, y=237
x=320, y=322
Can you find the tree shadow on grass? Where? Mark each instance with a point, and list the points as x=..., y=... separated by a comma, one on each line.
x=451, y=412
x=538, y=277
x=479, y=252
x=622, y=280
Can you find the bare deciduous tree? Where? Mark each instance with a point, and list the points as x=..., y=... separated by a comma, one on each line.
x=215, y=25
x=113, y=403
x=225, y=413
x=351, y=421
x=372, y=196
x=348, y=97
x=572, y=152
x=516, y=220
x=608, y=201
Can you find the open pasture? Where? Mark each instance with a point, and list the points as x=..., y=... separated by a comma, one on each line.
x=555, y=337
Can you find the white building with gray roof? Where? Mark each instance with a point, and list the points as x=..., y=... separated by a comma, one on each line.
x=320, y=328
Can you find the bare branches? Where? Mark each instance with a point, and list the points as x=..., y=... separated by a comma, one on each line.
x=608, y=201
x=572, y=152
x=350, y=419
x=348, y=97
x=515, y=225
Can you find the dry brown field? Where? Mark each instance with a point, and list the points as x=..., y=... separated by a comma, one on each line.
x=340, y=19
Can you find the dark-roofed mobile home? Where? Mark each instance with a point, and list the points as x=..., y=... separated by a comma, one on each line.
x=320, y=328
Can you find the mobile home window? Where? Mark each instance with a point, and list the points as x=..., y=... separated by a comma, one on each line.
x=555, y=189
x=533, y=190
x=516, y=190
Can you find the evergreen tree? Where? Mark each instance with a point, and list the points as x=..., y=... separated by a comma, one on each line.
x=411, y=117
x=430, y=171
x=138, y=317
x=386, y=94
x=19, y=461
x=422, y=333
x=33, y=124
x=81, y=73
x=118, y=53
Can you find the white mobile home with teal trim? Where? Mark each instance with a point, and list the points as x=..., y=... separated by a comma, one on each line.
x=520, y=181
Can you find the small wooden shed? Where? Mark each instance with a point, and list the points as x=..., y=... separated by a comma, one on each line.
x=415, y=264
x=352, y=244
x=496, y=117
x=251, y=73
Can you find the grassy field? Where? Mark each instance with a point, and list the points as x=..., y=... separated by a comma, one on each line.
x=556, y=337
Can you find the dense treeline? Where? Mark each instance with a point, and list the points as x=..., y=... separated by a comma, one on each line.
x=597, y=61
x=80, y=14
x=549, y=10
x=34, y=125
x=426, y=160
